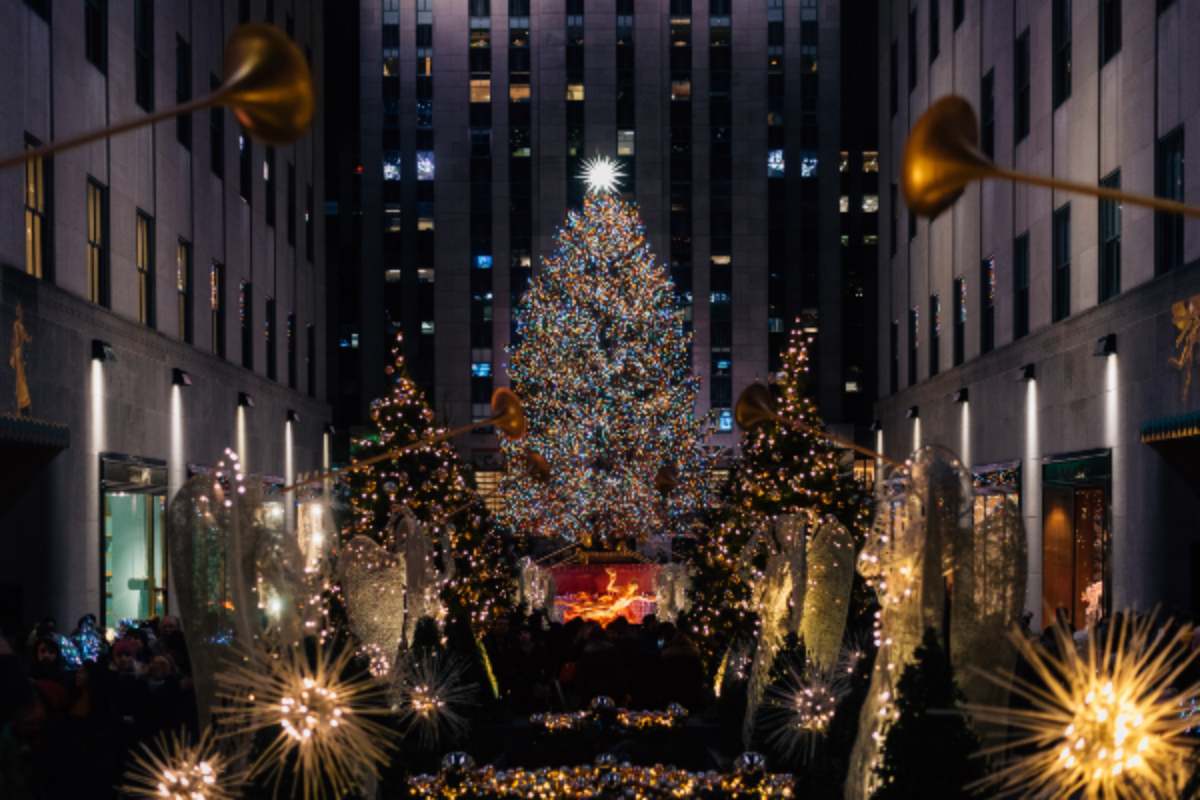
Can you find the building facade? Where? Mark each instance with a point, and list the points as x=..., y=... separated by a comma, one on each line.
x=476, y=116
x=161, y=296
x=1049, y=338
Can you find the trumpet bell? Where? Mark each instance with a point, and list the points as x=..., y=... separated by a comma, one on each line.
x=537, y=465
x=755, y=406
x=941, y=157
x=507, y=414
x=267, y=84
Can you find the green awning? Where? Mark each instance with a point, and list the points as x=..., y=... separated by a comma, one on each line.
x=1164, y=429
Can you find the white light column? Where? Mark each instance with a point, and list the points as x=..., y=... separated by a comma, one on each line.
x=1031, y=502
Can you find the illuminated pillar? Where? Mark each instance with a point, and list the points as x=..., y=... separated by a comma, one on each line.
x=1031, y=502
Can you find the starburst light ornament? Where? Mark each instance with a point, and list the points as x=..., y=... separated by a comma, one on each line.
x=429, y=697
x=1100, y=724
x=602, y=174
x=321, y=714
x=174, y=768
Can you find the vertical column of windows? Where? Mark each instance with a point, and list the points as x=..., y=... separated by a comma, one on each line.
x=480, y=112
x=144, y=262
x=810, y=206
x=777, y=215
x=680, y=169
x=391, y=180
x=720, y=120
x=520, y=174
x=574, y=100
x=426, y=172
x=626, y=96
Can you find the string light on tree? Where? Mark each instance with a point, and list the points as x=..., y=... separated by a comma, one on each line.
x=602, y=174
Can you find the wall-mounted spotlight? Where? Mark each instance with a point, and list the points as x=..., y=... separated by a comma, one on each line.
x=876, y=426
x=1027, y=373
x=245, y=400
x=913, y=412
x=180, y=377
x=962, y=395
x=329, y=428
x=1106, y=345
x=292, y=416
x=103, y=351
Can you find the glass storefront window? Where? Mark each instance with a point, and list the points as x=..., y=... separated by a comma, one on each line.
x=134, y=498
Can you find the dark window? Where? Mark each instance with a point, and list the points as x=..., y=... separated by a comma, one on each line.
x=935, y=334
x=894, y=357
x=245, y=165
x=269, y=184
x=1021, y=286
x=184, y=288
x=959, y=12
x=894, y=78
x=960, y=320
x=1110, y=29
x=308, y=222
x=913, y=321
x=912, y=225
x=987, y=114
x=310, y=358
x=1110, y=240
x=216, y=303
x=895, y=218
x=39, y=179
x=143, y=53
x=1021, y=87
x=183, y=90
x=269, y=333
x=97, y=239
x=1163, y=5
x=987, y=304
x=1061, y=37
x=934, y=37
x=95, y=33
x=1168, y=180
x=216, y=134
x=246, y=317
x=144, y=262
x=912, y=49
x=291, y=350
x=1060, y=299
x=243, y=11
x=291, y=204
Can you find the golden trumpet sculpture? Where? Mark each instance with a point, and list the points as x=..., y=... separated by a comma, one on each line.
x=507, y=415
x=267, y=85
x=942, y=156
x=756, y=406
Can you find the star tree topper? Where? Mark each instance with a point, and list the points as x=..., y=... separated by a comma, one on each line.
x=602, y=174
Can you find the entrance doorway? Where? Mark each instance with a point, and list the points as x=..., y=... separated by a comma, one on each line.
x=1076, y=512
x=133, y=496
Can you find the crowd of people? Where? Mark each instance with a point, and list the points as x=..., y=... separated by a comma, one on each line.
x=74, y=706
x=543, y=665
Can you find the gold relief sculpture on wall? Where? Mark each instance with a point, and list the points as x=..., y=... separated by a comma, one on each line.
x=1186, y=316
x=16, y=360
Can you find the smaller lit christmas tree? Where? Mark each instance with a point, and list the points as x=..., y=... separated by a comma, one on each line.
x=781, y=470
x=437, y=487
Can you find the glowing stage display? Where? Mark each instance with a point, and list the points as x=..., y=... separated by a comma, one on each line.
x=602, y=592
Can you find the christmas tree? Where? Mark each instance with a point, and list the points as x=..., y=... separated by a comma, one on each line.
x=604, y=369
x=781, y=470
x=929, y=750
x=785, y=469
x=433, y=483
